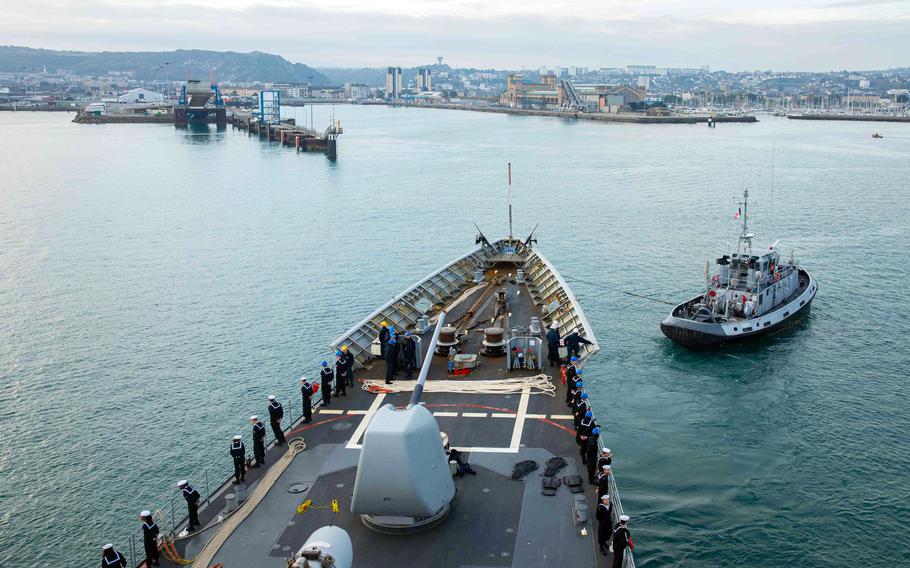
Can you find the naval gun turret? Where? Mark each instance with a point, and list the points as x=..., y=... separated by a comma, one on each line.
x=403, y=482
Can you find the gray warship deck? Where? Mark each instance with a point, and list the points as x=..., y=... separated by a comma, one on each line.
x=493, y=521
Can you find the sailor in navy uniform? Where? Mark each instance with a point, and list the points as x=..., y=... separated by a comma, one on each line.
x=238, y=453
x=306, y=392
x=606, y=458
x=581, y=409
x=110, y=558
x=391, y=361
x=258, y=440
x=604, y=515
x=276, y=413
x=603, y=482
x=341, y=374
x=553, y=344
x=585, y=428
x=326, y=376
x=192, y=503
x=150, y=538
x=349, y=364
x=575, y=392
x=409, y=353
x=590, y=457
x=383, y=339
x=621, y=539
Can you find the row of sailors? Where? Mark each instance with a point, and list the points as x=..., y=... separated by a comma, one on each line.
x=343, y=371
x=599, y=467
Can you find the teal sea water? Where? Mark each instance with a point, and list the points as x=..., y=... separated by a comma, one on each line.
x=157, y=284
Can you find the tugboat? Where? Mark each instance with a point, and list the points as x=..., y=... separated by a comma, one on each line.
x=877, y=135
x=750, y=295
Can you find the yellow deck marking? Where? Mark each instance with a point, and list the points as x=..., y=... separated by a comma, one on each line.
x=561, y=417
x=330, y=411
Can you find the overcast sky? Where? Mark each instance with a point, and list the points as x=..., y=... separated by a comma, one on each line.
x=729, y=34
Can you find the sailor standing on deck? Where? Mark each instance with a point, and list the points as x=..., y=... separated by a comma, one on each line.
x=192, y=503
x=150, y=538
x=258, y=440
x=276, y=413
x=603, y=482
x=604, y=516
x=349, y=364
x=383, y=338
x=409, y=352
x=238, y=452
x=391, y=358
x=325, y=378
x=574, y=342
x=306, y=391
x=590, y=458
x=606, y=458
x=553, y=344
x=621, y=539
x=341, y=374
x=110, y=558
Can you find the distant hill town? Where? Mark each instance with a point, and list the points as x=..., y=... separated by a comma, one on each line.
x=161, y=65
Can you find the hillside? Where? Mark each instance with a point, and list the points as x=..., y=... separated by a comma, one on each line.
x=158, y=65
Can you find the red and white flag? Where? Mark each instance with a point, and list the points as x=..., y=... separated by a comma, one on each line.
x=736, y=215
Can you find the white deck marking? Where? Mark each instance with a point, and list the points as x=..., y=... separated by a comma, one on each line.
x=487, y=450
x=561, y=417
x=474, y=414
x=354, y=442
x=446, y=414
x=535, y=415
x=330, y=411
x=357, y=411
x=503, y=415
x=520, y=419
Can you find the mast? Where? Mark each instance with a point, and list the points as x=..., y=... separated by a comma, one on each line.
x=510, y=202
x=745, y=239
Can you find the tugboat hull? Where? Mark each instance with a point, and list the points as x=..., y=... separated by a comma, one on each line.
x=695, y=335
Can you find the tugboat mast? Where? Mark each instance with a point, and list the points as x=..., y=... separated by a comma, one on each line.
x=510, y=203
x=745, y=239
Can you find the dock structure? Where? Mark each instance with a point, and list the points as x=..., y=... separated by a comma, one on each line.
x=288, y=133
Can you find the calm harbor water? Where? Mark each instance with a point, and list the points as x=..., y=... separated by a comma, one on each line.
x=157, y=284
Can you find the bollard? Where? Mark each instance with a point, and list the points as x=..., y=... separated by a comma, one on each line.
x=230, y=500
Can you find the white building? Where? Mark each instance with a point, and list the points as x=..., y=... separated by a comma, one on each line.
x=140, y=96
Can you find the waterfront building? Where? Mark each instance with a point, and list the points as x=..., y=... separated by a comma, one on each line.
x=140, y=95
x=521, y=94
x=424, y=81
x=393, y=83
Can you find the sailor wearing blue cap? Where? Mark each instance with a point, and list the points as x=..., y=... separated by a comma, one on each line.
x=391, y=360
x=325, y=377
x=589, y=454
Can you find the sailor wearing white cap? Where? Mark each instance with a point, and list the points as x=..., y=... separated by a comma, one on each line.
x=258, y=440
x=192, y=503
x=604, y=516
x=276, y=413
x=238, y=452
x=150, y=538
x=603, y=482
x=110, y=558
x=621, y=539
x=606, y=458
x=553, y=344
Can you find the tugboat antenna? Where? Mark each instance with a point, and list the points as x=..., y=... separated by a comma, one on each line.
x=510, y=202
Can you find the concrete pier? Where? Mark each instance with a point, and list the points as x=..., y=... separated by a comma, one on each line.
x=287, y=133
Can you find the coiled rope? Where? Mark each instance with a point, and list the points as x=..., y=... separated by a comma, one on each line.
x=538, y=384
x=205, y=557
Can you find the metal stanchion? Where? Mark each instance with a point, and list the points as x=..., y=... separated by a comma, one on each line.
x=208, y=492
